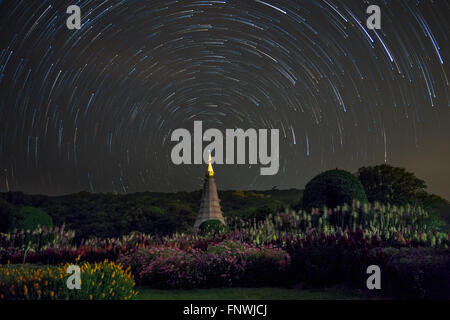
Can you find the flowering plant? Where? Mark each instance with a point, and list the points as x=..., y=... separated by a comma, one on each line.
x=223, y=264
x=105, y=280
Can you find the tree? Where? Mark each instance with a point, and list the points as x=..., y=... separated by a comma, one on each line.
x=5, y=216
x=30, y=217
x=438, y=209
x=332, y=188
x=387, y=184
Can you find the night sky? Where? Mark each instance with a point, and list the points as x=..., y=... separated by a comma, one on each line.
x=93, y=109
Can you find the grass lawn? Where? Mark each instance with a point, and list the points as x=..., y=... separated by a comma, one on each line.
x=244, y=294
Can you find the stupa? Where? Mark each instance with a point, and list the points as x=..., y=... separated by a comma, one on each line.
x=210, y=202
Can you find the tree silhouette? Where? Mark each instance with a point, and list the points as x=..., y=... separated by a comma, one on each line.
x=388, y=184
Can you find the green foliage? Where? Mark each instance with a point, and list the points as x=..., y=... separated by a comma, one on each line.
x=393, y=185
x=332, y=188
x=263, y=268
x=6, y=216
x=222, y=264
x=249, y=204
x=212, y=226
x=258, y=195
x=104, y=281
x=393, y=225
x=29, y=218
x=438, y=209
x=113, y=215
x=239, y=194
x=387, y=184
x=38, y=239
x=260, y=213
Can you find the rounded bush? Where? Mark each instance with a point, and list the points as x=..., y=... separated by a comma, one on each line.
x=28, y=218
x=212, y=226
x=332, y=188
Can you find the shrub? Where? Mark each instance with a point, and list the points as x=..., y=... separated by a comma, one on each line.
x=37, y=239
x=334, y=259
x=195, y=269
x=6, y=217
x=417, y=273
x=136, y=259
x=225, y=264
x=58, y=255
x=412, y=273
x=103, y=281
x=332, y=188
x=212, y=226
x=29, y=218
x=266, y=266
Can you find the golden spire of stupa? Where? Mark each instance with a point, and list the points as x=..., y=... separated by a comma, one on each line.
x=210, y=168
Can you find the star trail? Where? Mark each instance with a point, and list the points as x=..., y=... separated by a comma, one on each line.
x=93, y=109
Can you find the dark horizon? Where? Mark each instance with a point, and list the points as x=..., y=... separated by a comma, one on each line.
x=187, y=190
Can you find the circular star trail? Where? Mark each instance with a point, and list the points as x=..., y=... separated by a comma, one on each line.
x=93, y=109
